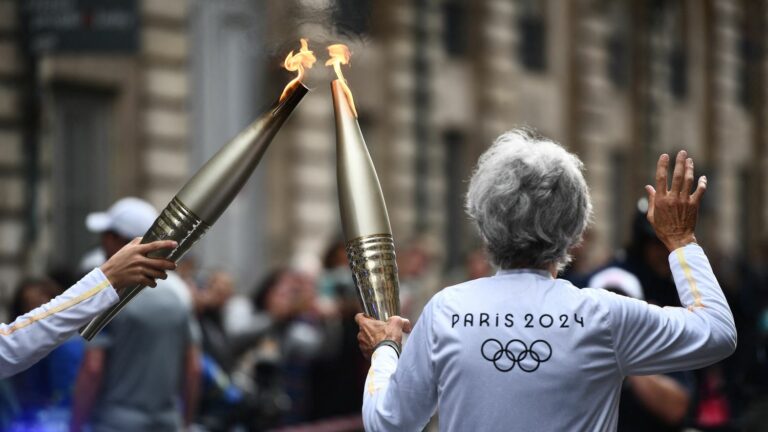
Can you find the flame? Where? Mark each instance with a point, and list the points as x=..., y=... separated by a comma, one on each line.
x=340, y=55
x=298, y=62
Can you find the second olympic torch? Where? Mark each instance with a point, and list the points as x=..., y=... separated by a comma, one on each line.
x=210, y=191
x=369, y=243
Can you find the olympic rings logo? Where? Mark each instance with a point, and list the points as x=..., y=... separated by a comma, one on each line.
x=516, y=353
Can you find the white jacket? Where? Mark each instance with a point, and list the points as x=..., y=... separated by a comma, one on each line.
x=33, y=335
x=522, y=351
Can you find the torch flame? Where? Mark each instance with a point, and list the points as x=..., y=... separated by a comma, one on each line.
x=340, y=55
x=298, y=62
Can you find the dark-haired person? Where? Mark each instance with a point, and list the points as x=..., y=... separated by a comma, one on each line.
x=33, y=335
x=524, y=351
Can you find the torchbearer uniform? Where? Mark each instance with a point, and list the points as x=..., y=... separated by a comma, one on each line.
x=33, y=335
x=522, y=351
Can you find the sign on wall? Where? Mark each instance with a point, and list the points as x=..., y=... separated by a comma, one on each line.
x=80, y=26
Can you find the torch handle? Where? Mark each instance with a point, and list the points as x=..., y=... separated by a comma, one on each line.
x=374, y=270
x=176, y=222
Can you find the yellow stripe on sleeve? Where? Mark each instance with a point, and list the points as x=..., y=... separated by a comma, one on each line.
x=66, y=305
x=691, y=281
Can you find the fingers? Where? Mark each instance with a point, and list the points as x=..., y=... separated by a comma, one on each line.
x=701, y=187
x=678, y=173
x=662, y=168
x=157, y=245
x=154, y=274
x=400, y=322
x=146, y=281
x=651, y=202
x=135, y=241
x=651, y=196
x=407, y=327
x=159, y=263
x=359, y=318
x=687, y=177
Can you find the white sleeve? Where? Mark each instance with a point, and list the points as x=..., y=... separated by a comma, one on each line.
x=401, y=395
x=649, y=339
x=33, y=335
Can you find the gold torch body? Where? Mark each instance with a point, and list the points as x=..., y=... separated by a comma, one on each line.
x=368, y=235
x=208, y=193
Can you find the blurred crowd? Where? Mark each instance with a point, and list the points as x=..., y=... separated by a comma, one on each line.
x=206, y=352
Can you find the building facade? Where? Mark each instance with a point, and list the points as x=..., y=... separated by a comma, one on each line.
x=434, y=80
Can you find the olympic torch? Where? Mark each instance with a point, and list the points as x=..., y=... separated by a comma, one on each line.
x=210, y=191
x=364, y=219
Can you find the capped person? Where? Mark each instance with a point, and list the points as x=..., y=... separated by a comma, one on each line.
x=523, y=350
x=33, y=335
x=141, y=372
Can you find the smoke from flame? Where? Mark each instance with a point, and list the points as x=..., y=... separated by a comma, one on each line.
x=304, y=59
x=340, y=55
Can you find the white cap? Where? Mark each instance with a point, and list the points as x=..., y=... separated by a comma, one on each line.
x=619, y=280
x=129, y=217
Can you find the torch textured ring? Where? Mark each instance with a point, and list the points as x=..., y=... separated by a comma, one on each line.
x=374, y=269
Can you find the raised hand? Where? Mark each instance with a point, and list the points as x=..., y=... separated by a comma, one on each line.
x=130, y=265
x=673, y=212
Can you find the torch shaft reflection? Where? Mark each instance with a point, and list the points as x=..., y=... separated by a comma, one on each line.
x=208, y=193
x=370, y=248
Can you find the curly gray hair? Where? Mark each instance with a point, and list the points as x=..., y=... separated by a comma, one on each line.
x=529, y=200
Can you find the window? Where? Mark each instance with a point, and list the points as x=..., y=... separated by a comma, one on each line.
x=455, y=178
x=749, y=54
x=83, y=150
x=533, y=42
x=352, y=16
x=455, y=28
x=617, y=45
x=678, y=55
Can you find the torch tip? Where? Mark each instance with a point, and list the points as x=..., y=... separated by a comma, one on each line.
x=342, y=98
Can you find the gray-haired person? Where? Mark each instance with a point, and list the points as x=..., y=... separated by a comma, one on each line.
x=523, y=350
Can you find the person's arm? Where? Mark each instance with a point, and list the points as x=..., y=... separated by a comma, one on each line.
x=662, y=396
x=191, y=384
x=33, y=335
x=87, y=387
x=648, y=339
x=399, y=394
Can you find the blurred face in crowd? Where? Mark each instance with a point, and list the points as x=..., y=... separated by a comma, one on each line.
x=656, y=256
x=478, y=265
x=336, y=257
x=111, y=243
x=282, y=300
x=221, y=288
x=306, y=291
x=413, y=261
x=34, y=296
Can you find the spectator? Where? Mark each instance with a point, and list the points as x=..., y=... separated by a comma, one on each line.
x=153, y=358
x=43, y=392
x=416, y=265
x=341, y=366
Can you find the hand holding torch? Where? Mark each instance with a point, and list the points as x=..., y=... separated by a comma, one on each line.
x=210, y=191
x=369, y=243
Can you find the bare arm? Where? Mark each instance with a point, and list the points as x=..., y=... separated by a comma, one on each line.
x=87, y=388
x=661, y=395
